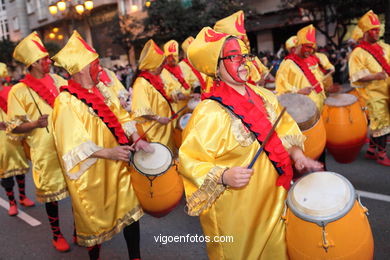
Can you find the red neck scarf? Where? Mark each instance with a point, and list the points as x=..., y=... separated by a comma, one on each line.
x=4, y=97
x=377, y=52
x=306, y=70
x=156, y=82
x=176, y=71
x=95, y=100
x=197, y=74
x=254, y=116
x=45, y=87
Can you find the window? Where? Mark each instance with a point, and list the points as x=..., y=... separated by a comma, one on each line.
x=2, y=5
x=134, y=5
x=30, y=6
x=42, y=9
x=4, y=32
x=15, y=23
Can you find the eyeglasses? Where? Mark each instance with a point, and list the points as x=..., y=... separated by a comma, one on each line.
x=239, y=57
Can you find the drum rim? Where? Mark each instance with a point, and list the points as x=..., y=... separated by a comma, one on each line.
x=178, y=120
x=332, y=105
x=323, y=221
x=152, y=175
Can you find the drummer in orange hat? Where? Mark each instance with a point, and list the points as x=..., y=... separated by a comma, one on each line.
x=150, y=101
x=93, y=136
x=30, y=106
x=13, y=160
x=235, y=25
x=220, y=141
x=369, y=69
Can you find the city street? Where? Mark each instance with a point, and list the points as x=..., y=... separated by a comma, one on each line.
x=20, y=240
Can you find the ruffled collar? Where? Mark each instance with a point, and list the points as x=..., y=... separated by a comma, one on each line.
x=254, y=116
x=95, y=100
x=45, y=88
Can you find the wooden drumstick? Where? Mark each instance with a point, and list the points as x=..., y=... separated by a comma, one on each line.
x=266, y=139
x=154, y=123
x=318, y=82
x=269, y=71
x=35, y=102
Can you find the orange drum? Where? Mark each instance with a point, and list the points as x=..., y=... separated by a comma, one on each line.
x=355, y=92
x=346, y=127
x=324, y=220
x=181, y=124
x=304, y=111
x=157, y=184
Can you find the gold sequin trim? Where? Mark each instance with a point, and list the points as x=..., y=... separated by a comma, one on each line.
x=360, y=74
x=381, y=132
x=13, y=172
x=105, y=92
x=56, y=196
x=143, y=112
x=12, y=124
x=129, y=128
x=289, y=141
x=133, y=215
x=207, y=194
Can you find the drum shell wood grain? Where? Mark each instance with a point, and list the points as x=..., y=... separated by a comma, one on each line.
x=349, y=238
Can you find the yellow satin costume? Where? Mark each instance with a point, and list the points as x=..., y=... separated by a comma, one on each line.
x=146, y=100
x=327, y=65
x=256, y=72
x=375, y=93
x=13, y=160
x=214, y=140
x=290, y=79
x=190, y=76
x=47, y=173
x=103, y=199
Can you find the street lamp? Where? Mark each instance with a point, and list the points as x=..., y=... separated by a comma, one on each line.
x=62, y=5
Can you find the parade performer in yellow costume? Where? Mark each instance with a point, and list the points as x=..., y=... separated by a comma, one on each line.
x=369, y=69
x=235, y=25
x=173, y=77
x=93, y=134
x=150, y=101
x=13, y=161
x=30, y=105
x=194, y=78
x=299, y=73
x=291, y=44
x=223, y=135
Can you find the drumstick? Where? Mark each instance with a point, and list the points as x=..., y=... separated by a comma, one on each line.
x=318, y=82
x=266, y=139
x=35, y=102
x=269, y=71
x=154, y=123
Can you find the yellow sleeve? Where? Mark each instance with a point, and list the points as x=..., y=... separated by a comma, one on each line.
x=17, y=112
x=324, y=61
x=198, y=154
x=171, y=85
x=74, y=147
x=285, y=78
x=357, y=67
x=140, y=101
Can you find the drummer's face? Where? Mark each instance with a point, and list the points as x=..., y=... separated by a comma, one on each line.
x=94, y=70
x=306, y=50
x=233, y=61
x=374, y=34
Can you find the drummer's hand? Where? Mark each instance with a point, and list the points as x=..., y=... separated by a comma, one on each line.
x=180, y=96
x=237, y=177
x=163, y=120
x=142, y=144
x=306, y=164
x=119, y=153
x=305, y=91
x=3, y=125
x=380, y=75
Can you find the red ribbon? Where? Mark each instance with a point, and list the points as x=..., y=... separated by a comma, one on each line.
x=377, y=52
x=176, y=71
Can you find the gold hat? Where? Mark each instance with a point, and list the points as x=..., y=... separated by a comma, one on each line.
x=151, y=56
x=204, y=51
x=3, y=70
x=357, y=34
x=75, y=55
x=291, y=42
x=187, y=43
x=369, y=21
x=172, y=48
x=30, y=49
x=233, y=25
x=307, y=35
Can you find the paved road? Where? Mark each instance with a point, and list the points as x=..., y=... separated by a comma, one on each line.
x=19, y=240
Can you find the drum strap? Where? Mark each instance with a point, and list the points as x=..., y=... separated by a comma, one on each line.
x=197, y=74
x=377, y=52
x=178, y=74
x=306, y=70
x=95, y=102
x=156, y=82
x=47, y=93
x=255, y=119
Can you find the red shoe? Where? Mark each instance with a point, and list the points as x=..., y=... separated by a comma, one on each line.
x=13, y=209
x=61, y=244
x=26, y=201
x=383, y=159
x=371, y=155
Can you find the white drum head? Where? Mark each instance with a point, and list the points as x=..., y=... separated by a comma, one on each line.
x=155, y=163
x=321, y=197
x=340, y=100
x=183, y=120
